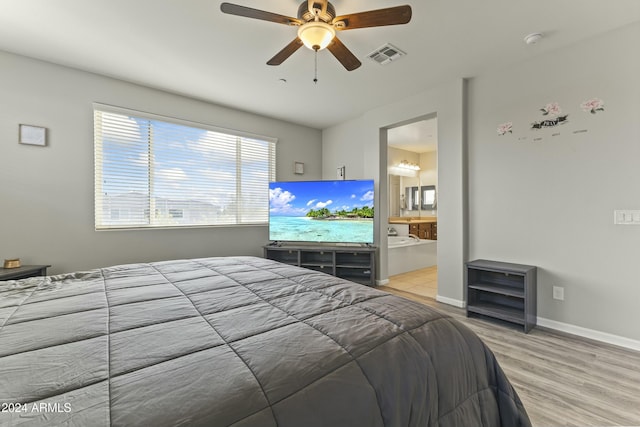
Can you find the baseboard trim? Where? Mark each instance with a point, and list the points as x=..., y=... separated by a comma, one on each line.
x=565, y=327
x=382, y=282
x=451, y=301
x=590, y=333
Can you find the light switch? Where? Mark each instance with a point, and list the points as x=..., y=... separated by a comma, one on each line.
x=558, y=293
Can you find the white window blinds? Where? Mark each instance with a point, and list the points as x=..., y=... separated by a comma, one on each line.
x=152, y=171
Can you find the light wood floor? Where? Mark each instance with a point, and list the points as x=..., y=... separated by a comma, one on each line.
x=423, y=282
x=563, y=380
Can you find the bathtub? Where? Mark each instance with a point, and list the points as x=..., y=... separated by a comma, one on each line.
x=408, y=254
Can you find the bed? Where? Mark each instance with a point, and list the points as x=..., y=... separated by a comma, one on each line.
x=237, y=341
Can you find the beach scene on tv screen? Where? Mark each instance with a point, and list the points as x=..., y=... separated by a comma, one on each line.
x=321, y=211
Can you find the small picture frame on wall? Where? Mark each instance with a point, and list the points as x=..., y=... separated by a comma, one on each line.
x=32, y=135
x=298, y=168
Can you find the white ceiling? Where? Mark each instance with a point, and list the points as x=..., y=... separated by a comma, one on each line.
x=189, y=47
x=419, y=137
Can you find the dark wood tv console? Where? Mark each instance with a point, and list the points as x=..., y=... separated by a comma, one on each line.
x=23, y=272
x=352, y=263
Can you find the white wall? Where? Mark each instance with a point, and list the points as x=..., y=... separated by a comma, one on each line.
x=46, y=194
x=550, y=202
x=360, y=144
x=408, y=178
x=429, y=168
x=546, y=200
x=428, y=174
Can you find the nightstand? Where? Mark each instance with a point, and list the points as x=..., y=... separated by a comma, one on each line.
x=23, y=272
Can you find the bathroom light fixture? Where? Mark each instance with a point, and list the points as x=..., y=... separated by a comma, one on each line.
x=410, y=166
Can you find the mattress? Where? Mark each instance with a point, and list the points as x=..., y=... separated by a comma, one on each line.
x=237, y=341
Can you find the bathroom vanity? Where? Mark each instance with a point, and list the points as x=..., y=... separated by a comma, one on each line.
x=425, y=227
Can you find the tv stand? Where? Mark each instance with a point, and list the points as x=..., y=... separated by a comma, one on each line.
x=347, y=262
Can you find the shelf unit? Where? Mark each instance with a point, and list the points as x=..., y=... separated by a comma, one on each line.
x=503, y=291
x=356, y=264
x=23, y=272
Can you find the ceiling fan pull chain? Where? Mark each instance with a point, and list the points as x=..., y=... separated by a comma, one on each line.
x=315, y=76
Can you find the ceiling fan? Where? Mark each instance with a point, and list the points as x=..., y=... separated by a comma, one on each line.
x=317, y=25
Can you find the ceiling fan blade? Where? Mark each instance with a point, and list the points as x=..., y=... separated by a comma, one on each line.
x=374, y=18
x=288, y=50
x=344, y=55
x=247, y=12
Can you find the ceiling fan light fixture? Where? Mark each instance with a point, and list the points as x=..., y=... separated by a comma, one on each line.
x=316, y=35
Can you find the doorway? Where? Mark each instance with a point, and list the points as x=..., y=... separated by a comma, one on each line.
x=412, y=177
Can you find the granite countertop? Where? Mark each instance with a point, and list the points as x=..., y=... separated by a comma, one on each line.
x=414, y=220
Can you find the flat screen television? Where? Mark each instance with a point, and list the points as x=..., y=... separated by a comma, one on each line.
x=338, y=211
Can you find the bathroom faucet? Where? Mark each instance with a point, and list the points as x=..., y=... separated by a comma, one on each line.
x=391, y=231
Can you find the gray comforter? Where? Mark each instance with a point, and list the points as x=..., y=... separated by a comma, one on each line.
x=238, y=341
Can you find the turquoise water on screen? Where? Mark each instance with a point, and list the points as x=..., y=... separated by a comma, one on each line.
x=288, y=228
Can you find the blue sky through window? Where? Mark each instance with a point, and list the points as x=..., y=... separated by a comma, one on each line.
x=213, y=175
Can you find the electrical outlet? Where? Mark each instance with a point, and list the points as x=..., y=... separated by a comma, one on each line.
x=558, y=293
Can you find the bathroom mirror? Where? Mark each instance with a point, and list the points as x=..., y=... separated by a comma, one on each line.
x=428, y=193
x=396, y=198
x=412, y=195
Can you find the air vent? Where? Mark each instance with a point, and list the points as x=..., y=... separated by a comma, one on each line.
x=386, y=54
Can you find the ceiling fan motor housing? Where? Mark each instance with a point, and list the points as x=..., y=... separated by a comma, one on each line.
x=306, y=15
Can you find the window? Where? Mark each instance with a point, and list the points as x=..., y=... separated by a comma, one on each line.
x=153, y=171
